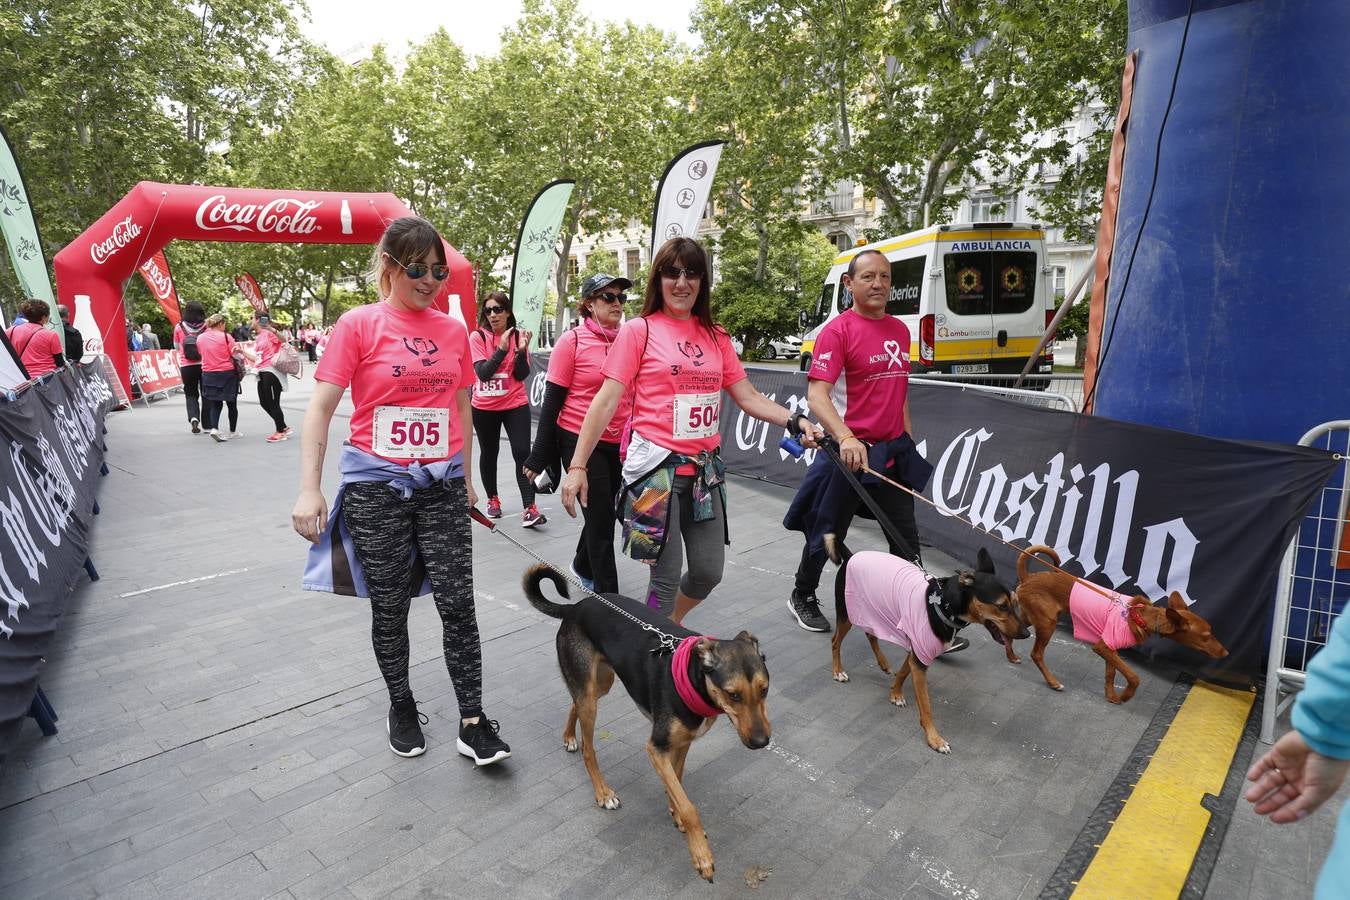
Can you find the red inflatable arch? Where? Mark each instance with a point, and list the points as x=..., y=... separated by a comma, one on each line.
x=95, y=266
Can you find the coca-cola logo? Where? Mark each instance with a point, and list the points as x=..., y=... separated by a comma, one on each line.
x=123, y=233
x=284, y=215
x=252, y=293
x=158, y=279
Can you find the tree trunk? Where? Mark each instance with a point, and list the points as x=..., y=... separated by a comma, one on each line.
x=762, y=262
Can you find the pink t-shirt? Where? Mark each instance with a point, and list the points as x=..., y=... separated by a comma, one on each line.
x=180, y=335
x=867, y=363
x=404, y=369
x=577, y=364
x=676, y=375
x=502, y=391
x=266, y=345
x=887, y=597
x=216, y=348
x=36, y=347
x=1097, y=618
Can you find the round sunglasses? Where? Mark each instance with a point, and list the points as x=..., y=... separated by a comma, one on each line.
x=419, y=269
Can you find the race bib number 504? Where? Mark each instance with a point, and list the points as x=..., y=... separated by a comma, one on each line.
x=696, y=415
x=411, y=432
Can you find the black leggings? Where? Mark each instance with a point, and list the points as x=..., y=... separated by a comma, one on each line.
x=595, y=549
x=192, y=390
x=269, y=398
x=384, y=528
x=487, y=424
x=212, y=419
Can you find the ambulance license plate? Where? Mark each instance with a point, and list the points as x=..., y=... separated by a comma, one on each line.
x=971, y=369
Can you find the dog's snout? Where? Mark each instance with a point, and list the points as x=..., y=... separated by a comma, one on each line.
x=758, y=741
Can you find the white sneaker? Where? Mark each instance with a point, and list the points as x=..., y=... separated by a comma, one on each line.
x=217, y=436
x=236, y=434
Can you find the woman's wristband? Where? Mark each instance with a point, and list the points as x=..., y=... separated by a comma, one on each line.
x=572, y=468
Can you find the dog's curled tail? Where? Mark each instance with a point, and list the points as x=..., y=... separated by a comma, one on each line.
x=1032, y=553
x=531, y=582
x=836, y=550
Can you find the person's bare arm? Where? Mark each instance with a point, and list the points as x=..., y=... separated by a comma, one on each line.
x=310, y=515
x=852, y=450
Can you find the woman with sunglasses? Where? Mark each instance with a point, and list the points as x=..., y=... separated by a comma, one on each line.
x=675, y=362
x=501, y=360
x=403, y=505
x=574, y=377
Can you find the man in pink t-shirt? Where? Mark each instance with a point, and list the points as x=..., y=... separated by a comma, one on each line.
x=858, y=388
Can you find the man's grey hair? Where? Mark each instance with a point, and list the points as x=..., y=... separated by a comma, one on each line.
x=63, y=311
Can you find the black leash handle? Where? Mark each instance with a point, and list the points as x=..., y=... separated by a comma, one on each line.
x=831, y=448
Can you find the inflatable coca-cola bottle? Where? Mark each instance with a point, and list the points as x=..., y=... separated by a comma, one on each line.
x=88, y=329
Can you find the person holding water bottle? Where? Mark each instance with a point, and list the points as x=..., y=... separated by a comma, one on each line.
x=406, y=482
x=674, y=362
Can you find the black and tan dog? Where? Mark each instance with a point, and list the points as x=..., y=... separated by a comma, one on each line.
x=919, y=615
x=596, y=642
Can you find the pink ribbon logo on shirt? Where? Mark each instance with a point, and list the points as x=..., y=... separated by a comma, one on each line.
x=892, y=349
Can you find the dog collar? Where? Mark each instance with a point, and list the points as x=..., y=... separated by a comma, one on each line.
x=679, y=670
x=936, y=605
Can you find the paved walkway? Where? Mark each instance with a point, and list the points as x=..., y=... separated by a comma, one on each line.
x=222, y=732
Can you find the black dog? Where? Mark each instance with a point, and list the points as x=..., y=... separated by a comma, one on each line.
x=946, y=605
x=597, y=641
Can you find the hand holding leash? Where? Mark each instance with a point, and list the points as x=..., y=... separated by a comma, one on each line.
x=853, y=452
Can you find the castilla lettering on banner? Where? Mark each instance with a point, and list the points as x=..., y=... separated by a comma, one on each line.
x=284, y=215
x=123, y=233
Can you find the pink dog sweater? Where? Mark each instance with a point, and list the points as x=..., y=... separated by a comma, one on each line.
x=1098, y=618
x=887, y=597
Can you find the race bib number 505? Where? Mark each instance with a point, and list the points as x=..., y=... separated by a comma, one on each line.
x=411, y=432
x=696, y=415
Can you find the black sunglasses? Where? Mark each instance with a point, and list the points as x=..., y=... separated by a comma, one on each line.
x=493, y=310
x=419, y=270
x=610, y=298
x=674, y=273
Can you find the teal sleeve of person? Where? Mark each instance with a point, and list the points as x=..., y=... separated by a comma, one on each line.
x=1322, y=712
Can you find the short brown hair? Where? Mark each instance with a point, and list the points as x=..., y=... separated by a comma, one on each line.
x=34, y=310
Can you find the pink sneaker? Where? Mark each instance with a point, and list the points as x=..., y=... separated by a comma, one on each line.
x=532, y=517
x=276, y=438
x=494, y=509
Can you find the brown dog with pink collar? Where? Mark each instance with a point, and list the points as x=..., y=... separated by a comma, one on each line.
x=679, y=679
x=1103, y=618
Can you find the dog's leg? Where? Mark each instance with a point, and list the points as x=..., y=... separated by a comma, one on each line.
x=898, y=687
x=1114, y=663
x=876, y=651
x=677, y=761
x=926, y=708
x=686, y=816
x=1043, y=635
x=841, y=628
x=570, y=730
x=1009, y=652
x=602, y=676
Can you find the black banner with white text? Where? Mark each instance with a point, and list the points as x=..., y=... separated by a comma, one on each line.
x=52, y=435
x=1142, y=510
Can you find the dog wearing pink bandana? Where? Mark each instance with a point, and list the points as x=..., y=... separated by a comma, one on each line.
x=682, y=682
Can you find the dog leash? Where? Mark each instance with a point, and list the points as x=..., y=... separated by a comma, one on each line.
x=1095, y=588
x=667, y=643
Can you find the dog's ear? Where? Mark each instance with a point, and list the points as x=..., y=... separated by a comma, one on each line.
x=1174, y=601
x=706, y=648
x=754, y=642
x=984, y=562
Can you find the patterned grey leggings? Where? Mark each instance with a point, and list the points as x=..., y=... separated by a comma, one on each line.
x=383, y=527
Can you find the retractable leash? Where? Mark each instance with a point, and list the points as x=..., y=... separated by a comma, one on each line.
x=667, y=642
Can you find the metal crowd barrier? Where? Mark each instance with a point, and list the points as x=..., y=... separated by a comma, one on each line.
x=1063, y=391
x=1312, y=592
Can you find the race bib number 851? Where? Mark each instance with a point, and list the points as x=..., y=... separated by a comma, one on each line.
x=411, y=432
x=696, y=415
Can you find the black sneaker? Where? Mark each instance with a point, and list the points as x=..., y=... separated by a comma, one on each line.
x=806, y=610
x=479, y=741
x=405, y=729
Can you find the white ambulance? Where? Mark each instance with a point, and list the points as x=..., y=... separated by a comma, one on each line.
x=976, y=297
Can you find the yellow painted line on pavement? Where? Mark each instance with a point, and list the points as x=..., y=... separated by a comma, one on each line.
x=1152, y=845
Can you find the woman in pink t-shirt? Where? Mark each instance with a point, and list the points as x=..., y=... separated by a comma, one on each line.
x=271, y=380
x=220, y=378
x=675, y=362
x=501, y=360
x=406, y=490
x=40, y=349
x=575, y=374
x=191, y=326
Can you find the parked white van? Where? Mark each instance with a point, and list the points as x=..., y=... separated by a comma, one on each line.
x=976, y=297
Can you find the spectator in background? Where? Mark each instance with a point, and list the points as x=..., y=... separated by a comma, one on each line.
x=149, y=340
x=74, y=341
x=134, y=343
x=1307, y=766
x=185, y=335
x=220, y=377
x=242, y=332
x=271, y=380
x=40, y=349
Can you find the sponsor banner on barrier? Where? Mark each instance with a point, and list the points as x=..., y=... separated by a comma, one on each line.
x=1139, y=509
x=52, y=435
x=156, y=370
